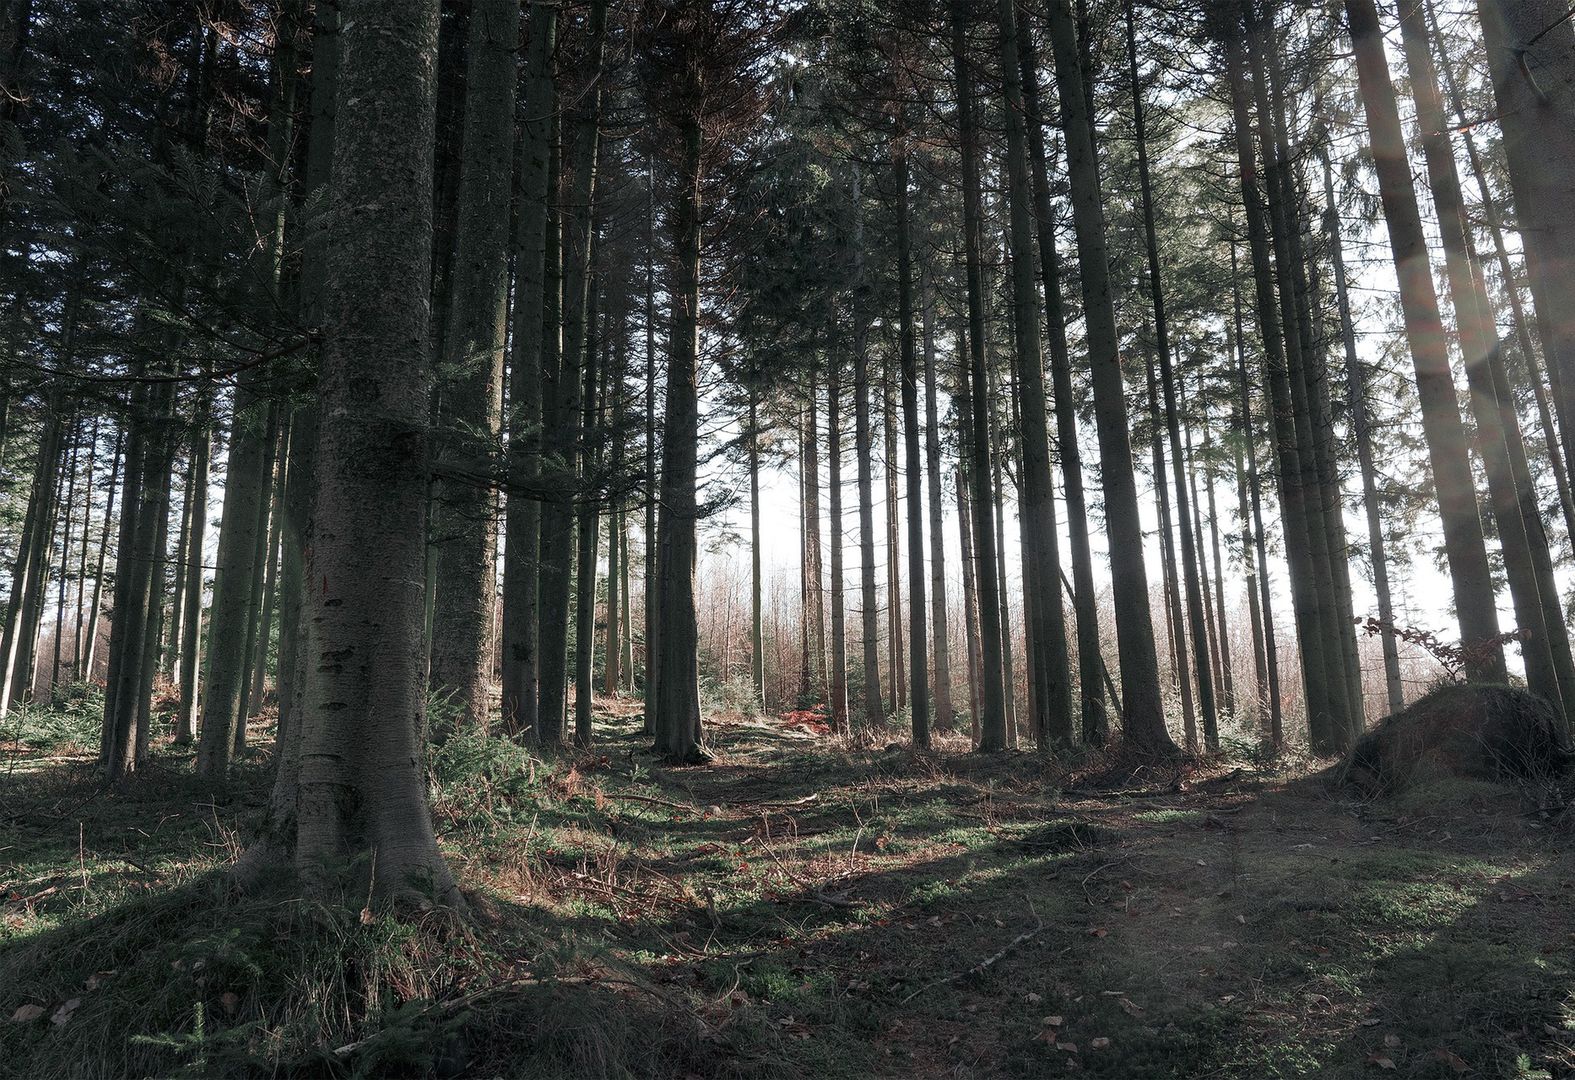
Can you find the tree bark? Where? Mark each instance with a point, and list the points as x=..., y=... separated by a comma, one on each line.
x=677, y=704
x=1544, y=644
x=939, y=622
x=1050, y=686
x=1356, y=403
x=1530, y=49
x=839, y=648
x=918, y=657
x=1446, y=438
x=1142, y=707
x=356, y=787
x=523, y=532
x=470, y=382
x=991, y=714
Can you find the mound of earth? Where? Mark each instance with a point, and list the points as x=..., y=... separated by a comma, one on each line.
x=1480, y=732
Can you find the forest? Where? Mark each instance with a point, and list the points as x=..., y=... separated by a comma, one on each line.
x=761, y=539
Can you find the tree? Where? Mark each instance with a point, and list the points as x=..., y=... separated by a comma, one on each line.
x=470, y=387
x=353, y=788
x=1142, y=709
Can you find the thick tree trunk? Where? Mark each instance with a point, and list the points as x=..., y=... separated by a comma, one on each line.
x=356, y=787
x=1446, y=438
x=1142, y=707
x=677, y=704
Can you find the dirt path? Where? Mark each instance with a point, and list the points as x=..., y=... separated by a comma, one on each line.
x=797, y=909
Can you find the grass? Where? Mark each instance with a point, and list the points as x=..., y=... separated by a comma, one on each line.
x=796, y=908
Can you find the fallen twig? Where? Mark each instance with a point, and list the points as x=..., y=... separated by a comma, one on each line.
x=987, y=963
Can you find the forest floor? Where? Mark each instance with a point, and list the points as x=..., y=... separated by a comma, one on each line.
x=797, y=909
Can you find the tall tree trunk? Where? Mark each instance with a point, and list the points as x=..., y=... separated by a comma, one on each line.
x=1559, y=463
x=1050, y=686
x=1196, y=610
x=1295, y=502
x=270, y=572
x=992, y=690
x=147, y=670
x=191, y=619
x=814, y=594
x=248, y=706
x=95, y=606
x=677, y=702
x=939, y=621
x=874, y=710
x=965, y=520
x=1530, y=50
x=588, y=526
x=894, y=634
x=245, y=501
x=1306, y=352
x=169, y=662
x=1085, y=601
x=1254, y=544
x=1356, y=403
x=28, y=574
x=1544, y=644
x=918, y=656
x=1227, y=668
x=470, y=386
x=356, y=785
x=1446, y=438
x=77, y=670
x=523, y=531
x=652, y=479
x=839, y=638
x=1142, y=707
x=1175, y=617
x=757, y=642
x=561, y=437
x=66, y=507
